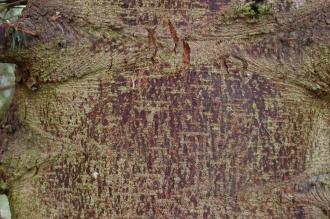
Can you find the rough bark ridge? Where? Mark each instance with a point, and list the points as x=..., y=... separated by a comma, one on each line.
x=172, y=109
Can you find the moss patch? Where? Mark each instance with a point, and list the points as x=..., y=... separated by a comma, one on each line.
x=254, y=10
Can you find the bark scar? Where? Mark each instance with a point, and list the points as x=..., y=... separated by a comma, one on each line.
x=186, y=54
x=244, y=62
x=152, y=38
x=224, y=64
x=174, y=35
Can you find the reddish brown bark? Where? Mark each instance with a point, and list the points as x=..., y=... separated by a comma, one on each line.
x=234, y=123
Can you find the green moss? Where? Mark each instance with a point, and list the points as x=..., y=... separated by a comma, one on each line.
x=96, y=28
x=3, y=186
x=253, y=10
x=248, y=10
x=264, y=9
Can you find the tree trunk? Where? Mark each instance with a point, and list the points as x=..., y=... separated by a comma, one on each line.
x=171, y=109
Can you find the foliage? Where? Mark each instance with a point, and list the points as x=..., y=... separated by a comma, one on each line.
x=11, y=14
x=15, y=37
x=18, y=38
x=7, y=80
x=4, y=207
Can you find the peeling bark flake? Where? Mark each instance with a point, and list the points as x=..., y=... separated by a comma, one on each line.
x=174, y=35
x=152, y=38
x=186, y=54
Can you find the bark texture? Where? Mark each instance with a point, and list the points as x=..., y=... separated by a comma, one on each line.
x=171, y=109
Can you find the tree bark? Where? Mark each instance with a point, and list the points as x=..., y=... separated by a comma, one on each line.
x=171, y=109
